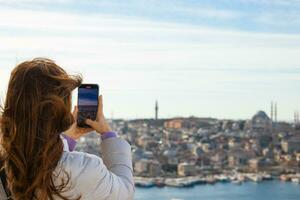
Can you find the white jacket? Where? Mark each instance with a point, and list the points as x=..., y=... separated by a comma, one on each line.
x=94, y=178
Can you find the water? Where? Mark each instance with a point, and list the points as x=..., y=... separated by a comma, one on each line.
x=273, y=190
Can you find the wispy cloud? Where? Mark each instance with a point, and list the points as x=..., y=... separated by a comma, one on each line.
x=274, y=2
x=190, y=53
x=251, y=15
x=131, y=38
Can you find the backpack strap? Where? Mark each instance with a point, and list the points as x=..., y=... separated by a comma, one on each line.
x=4, y=183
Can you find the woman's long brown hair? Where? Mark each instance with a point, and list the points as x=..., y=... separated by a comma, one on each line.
x=37, y=109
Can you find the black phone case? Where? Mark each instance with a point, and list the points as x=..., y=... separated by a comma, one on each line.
x=83, y=115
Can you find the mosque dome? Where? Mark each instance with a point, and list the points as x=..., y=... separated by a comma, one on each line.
x=260, y=115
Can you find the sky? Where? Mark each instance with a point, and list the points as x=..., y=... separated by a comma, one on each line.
x=223, y=58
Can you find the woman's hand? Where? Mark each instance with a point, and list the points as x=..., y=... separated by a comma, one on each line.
x=74, y=131
x=100, y=125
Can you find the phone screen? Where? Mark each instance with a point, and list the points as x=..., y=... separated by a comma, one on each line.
x=87, y=103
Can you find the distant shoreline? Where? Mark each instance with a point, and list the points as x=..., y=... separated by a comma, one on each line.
x=183, y=182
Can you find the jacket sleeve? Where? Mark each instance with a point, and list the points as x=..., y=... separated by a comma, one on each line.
x=110, y=178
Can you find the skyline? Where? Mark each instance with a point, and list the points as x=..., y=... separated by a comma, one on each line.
x=221, y=59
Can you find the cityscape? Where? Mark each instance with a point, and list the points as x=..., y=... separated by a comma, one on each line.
x=182, y=152
x=205, y=92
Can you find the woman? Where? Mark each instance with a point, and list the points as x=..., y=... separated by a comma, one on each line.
x=36, y=128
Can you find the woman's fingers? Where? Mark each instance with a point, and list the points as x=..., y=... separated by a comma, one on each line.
x=100, y=106
x=91, y=123
x=100, y=125
x=75, y=112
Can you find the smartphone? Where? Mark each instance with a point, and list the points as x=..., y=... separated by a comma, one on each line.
x=87, y=103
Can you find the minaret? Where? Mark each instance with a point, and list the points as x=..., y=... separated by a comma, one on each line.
x=272, y=116
x=156, y=110
x=272, y=111
x=296, y=117
x=275, y=112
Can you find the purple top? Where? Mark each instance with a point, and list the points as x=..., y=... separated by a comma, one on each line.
x=108, y=134
x=72, y=142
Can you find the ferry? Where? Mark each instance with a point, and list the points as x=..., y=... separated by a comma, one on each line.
x=295, y=180
x=210, y=180
x=143, y=182
x=159, y=182
x=284, y=178
x=255, y=177
x=222, y=178
x=237, y=182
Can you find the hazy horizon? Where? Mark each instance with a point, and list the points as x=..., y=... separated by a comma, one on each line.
x=224, y=59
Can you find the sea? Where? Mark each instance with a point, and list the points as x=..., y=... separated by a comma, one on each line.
x=267, y=190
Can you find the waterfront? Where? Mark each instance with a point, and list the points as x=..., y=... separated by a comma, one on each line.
x=274, y=190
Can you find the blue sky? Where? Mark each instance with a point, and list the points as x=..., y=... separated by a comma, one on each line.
x=222, y=58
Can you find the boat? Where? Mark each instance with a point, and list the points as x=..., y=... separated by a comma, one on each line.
x=240, y=177
x=237, y=182
x=222, y=178
x=255, y=177
x=159, y=182
x=284, y=178
x=295, y=180
x=143, y=182
x=210, y=180
x=266, y=176
x=174, y=182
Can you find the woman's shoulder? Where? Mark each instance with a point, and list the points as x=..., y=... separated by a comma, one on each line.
x=82, y=168
x=93, y=177
x=114, y=147
x=77, y=160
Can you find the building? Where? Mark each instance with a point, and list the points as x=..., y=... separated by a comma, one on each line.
x=298, y=157
x=144, y=140
x=174, y=123
x=148, y=167
x=291, y=145
x=206, y=147
x=197, y=151
x=219, y=159
x=260, y=123
x=179, y=123
x=154, y=168
x=186, y=169
x=237, y=159
x=171, y=156
x=141, y=166
x=256, y=163
x=234, y=143
x=264, y=140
